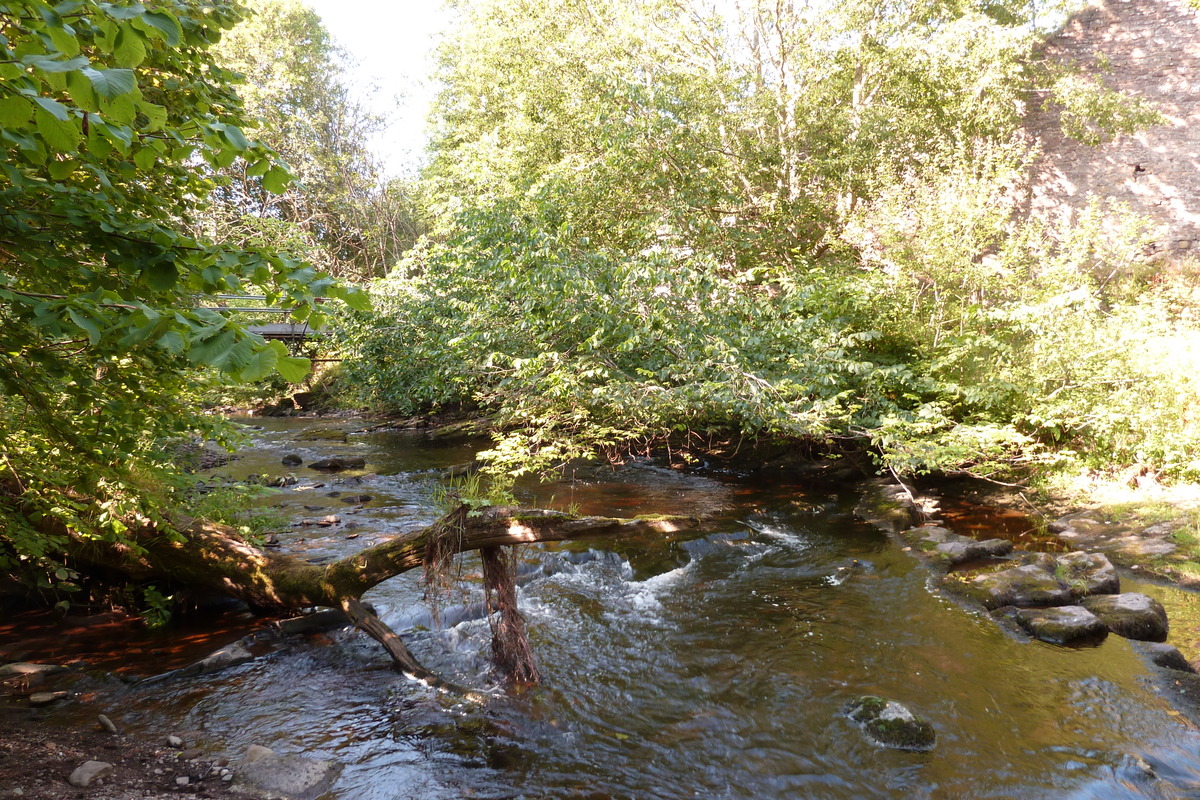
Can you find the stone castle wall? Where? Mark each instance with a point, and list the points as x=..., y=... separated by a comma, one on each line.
x=1149, y=49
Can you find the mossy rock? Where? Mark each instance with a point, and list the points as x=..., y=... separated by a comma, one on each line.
x=1132, y=615
x=1026, y=585
x=1061, y=625
x=891, y=724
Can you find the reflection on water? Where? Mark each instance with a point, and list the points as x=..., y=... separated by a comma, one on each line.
x=714, y=665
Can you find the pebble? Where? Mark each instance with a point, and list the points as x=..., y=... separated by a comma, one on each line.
x=45, y=698
x=182, y=780
x=189, y=754
x=107, y=723
x=175, y=741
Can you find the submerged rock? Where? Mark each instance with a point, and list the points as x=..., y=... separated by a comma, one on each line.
x=891, y=724
x=1061, y=625
x=265, y=774
x=338, y=464
x=291, y=460
x=1164, y=655
x=1132, y=615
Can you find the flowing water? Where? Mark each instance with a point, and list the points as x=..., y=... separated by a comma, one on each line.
x=714, y=664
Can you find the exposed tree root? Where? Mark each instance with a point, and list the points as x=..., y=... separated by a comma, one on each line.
x=511, y=654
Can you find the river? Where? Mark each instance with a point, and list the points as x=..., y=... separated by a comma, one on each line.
x=714, y=664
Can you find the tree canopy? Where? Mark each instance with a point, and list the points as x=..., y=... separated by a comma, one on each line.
x=663, y=219
x=114, y=119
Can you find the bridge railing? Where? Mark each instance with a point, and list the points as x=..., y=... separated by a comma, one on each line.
x=285, y=331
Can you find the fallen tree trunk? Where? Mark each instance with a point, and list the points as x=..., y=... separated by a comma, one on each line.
x=209, y=556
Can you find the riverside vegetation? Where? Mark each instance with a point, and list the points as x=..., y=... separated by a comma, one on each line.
x=641, y=225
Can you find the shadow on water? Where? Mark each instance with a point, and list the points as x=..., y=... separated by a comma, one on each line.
x=712, y=665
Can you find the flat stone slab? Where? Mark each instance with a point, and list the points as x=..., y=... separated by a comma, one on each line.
x=1061, y=625
x=1132, y=615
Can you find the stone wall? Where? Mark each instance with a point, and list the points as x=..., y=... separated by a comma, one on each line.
x=1152, y=50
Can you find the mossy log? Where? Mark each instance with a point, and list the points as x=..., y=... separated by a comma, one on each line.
x=214, y=557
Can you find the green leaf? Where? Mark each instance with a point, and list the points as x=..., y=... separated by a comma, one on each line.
x=165, y=24
x=162, y=276
x=59, y=136
x=355, y=297
x=156, y=115
x=293, y=370
x=121, y=110
x=90, y=327
x=15, y=111
x=173, y=342
x=234, y=136
x=262, y=363
x=111, y=83
x=276, y=180
x=258, y=168
x=130, y=50
x=82, y=92
x=122, y=12
x=145, y=158
x=51, y=65
x=61, y=169
x=57, y=109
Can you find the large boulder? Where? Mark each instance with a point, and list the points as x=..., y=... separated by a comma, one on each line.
x=1132, y=615
x=890, y=724
x=1061, y=625
x=1027, y=585
x=1045, y=580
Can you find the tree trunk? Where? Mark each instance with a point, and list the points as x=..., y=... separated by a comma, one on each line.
x=213, y=557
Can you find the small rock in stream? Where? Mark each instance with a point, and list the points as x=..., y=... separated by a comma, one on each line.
x=106, y=723
x=358, y=498
x=890, y=724
x=175, y=741
x=338, y=464
x=291, y=460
